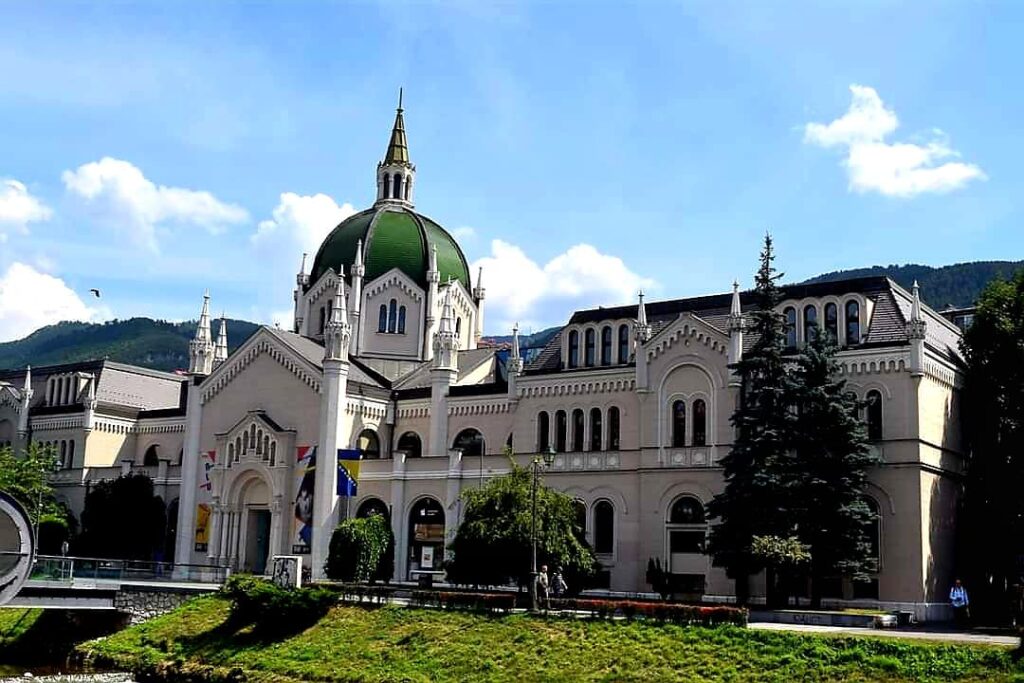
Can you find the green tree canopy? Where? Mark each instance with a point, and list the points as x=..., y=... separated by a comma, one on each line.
x=492, y=546
x=123, y=518
x=26, y=478
x=994, y=407
x=758, y=468
x=362, y=549
x=830, y=468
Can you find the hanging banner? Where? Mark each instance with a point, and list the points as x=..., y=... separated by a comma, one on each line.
x=208, y=460
x=202, y=539
x=348, y=471
x=305, y=476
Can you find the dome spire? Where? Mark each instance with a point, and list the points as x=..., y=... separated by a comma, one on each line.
x=398, y=148
x=396, y=174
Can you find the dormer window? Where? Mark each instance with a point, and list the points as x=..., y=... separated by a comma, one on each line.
x=852, y=323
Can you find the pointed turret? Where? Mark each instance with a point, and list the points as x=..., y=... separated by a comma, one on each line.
x=201, y=347
x=338, y=332
x=27, y=388
x=643, y=328
x=479, y=294
x=357, y=273
x=396, y=175
x=433, y=279
x=917, y=330
x=736, y=326
x=446, y=340
x=26, y=400
x=515, y=365
x=220, y=351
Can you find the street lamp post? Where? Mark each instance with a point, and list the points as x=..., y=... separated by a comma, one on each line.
x=535, y=464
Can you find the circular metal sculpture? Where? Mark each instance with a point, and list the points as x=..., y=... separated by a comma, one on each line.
x=17, y=547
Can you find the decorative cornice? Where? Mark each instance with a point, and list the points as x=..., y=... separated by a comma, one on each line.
x=577, y=386
x=685, y=329
x=393, y=278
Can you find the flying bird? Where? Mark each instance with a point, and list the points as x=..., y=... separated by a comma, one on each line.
x=95, y=292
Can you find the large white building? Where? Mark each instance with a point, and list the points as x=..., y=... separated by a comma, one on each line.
x=384, y=358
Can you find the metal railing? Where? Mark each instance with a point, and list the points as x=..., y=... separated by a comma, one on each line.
x=69, y=570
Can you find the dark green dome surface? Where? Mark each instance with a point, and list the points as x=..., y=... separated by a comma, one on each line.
x=394, y=237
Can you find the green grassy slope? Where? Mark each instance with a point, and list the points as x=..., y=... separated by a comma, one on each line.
x=402, y=644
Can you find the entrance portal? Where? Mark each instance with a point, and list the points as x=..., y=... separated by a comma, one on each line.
x=258, y=535
x=426, y=538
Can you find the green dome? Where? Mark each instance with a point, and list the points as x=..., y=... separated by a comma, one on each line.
x=393, y=237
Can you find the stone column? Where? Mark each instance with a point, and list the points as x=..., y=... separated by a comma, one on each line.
x=189, y=475
x=399, y=523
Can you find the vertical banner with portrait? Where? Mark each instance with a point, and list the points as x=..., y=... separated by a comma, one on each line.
x=203, y=514
x=305, y=477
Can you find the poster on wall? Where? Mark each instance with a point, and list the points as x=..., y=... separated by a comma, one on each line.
x=305, y=476
x=203, y=513
x=427, y=557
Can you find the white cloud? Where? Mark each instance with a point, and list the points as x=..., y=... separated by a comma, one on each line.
x=128, y=200
x=301, y=221
x=30, y=299
x=18, y=208
x=464, y=232
x=895, y=169
x=519, y=289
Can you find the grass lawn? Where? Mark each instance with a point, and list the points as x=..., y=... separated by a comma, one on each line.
x=14, y=623
x=402, y=644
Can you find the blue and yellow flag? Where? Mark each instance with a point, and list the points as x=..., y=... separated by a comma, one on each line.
x=348, y=470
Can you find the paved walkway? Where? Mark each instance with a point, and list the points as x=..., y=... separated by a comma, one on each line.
x=910, y=634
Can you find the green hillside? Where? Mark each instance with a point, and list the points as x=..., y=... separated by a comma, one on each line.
x=953, y=286
x=140, y=341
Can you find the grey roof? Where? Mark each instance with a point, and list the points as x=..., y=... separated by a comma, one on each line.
x=313, y=351
x=468, y=361
x=122, y=385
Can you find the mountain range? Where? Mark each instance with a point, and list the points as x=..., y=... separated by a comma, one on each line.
x=163, y=345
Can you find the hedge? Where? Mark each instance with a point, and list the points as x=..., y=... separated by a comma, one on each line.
x=696, y=615
x=271, y=608
x=460, y=600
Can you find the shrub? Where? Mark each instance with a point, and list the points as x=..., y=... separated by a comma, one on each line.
x=675, y=613
x=273, y=609
x=359, y=550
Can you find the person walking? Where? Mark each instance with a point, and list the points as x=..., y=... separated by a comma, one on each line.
x=961, y=603
x=558, y=585
x=543, y=587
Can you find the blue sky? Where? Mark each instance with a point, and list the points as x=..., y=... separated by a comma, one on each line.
x=577, y=150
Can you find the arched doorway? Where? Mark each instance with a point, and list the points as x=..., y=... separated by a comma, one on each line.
x=248, y=526
x=373, y=506
x=426, y=537
x=687, y=529
x=369, y=444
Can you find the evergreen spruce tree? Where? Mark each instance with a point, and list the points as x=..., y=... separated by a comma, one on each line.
x=830, y=468
x=755, y=501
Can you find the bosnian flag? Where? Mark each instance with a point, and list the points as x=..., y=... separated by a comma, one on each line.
x=348, y=470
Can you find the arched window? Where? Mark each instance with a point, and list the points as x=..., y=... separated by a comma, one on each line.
x=508, y=443
x=604, y=527
x=606, y=345
x=410, y=444
x=152, y=456
x=373, y=506
x=63, y=454
x=790, y=314
x=401, y=320
x=392, y=316
x=595, y=429
x=382, y=319
x=873, y=409
x=330, y=307
x=580, y=508
x=387, y=185
x=588, y=348
x=543, y=432
x=323, y=318
x=832, y=322
x=852, y=323
x=458, y=326
x=369, y=444
x=71, y=453
x=397, y=194
x=252, y=436
x=679, y=424
x=577, y=430
x=266, y=447
x=700, y=433
x=259, y=442
x=470, y=442
x=623, y=343
x=687, y=529
x=574, y=349
x=238, y=447
x=613, y=428
x=687, y=510
x=273, y=454
x=810, y=322
x=560, y=431
x=874, y=532
x=408, y=187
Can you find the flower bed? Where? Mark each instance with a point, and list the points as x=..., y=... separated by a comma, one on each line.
x=675, y=613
